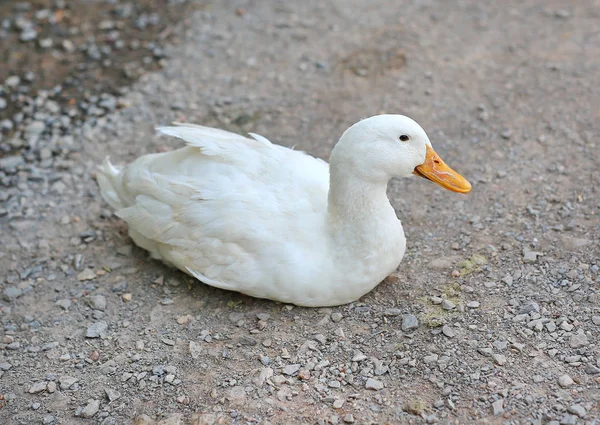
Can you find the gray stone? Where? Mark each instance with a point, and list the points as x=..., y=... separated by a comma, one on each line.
x=448, y=331
x=591, y=369
x=334, y=384
x=359, y=357
x=578, y=341
x=111, y=394
x=485, y=351
x=508, y=279
x=107, y=102
x=381, y=370
x=409, y=322
x=91, y=408
x=14, y=345
x=448, y=305
x=109, y=420
x=336, y=317
x=566, y=326
x=87, y=274
x=6, y=125
x=247, y=340
x=236, y=317
x=498, y=406
x=500, y=345
x=11, y=293
x=264, y=374
x=263, y=316
x=195, y=349
x=37, y=387
x=392, y=312
x=578, y=410
x=12, y=81
x=568, y=419
x=35, y=128
x=45, y=43
x=68, y=45
x=96, y=330
x=530, y=256
x=529, y=307
x=565, y=381
x=66, y=382
x=65, y=303
x=291, y=369
x=499, y=359
x=97, y=302
x=373, y=384
x=28, y=34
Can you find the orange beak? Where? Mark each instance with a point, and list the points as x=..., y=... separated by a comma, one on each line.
x=437, y=171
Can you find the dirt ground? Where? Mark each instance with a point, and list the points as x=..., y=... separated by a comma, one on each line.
x=504, y=282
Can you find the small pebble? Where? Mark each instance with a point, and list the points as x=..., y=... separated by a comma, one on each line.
x=38, y=387
x=337, y=404
x=336, y=317
x=499, y=359
x=96, y=330
x=578, y=341
x=409, y=322
x=448, y=305
x=98, y=302
x=448, y=331
x=373, y=384
x=111, y=394
x=304, y=374
x=577, y=410
x=565, y=381
x=91, y=408
x=291, y=369
x=498, y=407
x=87, y=274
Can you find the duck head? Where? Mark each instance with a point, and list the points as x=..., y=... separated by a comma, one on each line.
x=382, y=147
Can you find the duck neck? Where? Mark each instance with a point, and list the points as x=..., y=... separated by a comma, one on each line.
x=366, y=237
x=358, y=206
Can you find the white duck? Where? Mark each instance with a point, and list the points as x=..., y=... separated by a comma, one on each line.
x=249, y=216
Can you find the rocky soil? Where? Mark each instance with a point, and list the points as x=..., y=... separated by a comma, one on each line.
x=493, y=317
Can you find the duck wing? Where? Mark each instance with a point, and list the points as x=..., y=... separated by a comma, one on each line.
x=226, y=209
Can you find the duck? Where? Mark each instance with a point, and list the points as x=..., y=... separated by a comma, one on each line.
x=246, y=215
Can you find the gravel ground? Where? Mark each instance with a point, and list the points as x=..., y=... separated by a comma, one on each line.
x=492, y=317
x=68, y=60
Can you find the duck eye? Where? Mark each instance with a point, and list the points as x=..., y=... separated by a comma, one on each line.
x=404, y=138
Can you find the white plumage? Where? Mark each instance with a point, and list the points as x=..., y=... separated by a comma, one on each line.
x=246, y=215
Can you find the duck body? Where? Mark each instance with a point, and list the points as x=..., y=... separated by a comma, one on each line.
x=246, y=215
